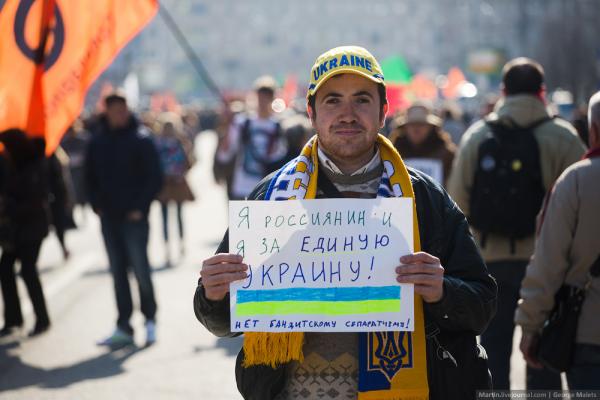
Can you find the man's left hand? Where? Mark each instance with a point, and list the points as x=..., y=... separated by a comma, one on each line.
x=528, y=346
x=425, y=272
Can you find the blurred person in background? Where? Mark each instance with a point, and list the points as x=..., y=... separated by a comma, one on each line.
x=297, y=130
x=176, y=155
x=423, y=144
x=191, y=124
x=254, y=142
x=150, y=120
x=23, y=226
x=223, y=168
x=74, y=143
x=505, y=165
x=487, y=105
x=453, y=121
x=60, y=197
x=567, y=246
x=123, y=176
x=580, y=122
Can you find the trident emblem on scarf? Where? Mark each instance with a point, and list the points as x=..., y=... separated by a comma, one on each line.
x=390, y=352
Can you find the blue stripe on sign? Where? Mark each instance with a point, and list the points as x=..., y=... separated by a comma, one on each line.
x=321, y=294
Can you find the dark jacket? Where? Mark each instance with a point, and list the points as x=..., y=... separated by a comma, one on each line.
x=123, y=171
x=469, y=303
x=23, y=191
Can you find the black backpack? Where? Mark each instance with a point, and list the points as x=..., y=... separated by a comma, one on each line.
x=507, y=190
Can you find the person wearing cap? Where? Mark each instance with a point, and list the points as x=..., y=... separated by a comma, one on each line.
x=254, y=143
x=454, y=295
x=423, y=144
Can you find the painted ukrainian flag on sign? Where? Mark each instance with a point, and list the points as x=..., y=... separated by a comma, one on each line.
x=322, y=301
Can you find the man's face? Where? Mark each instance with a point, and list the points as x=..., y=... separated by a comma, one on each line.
x=117, y=115
x=265, y=100
x=348, y=117
x=417, y=132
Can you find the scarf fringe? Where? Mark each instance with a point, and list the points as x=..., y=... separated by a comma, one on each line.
x=272, y=349
x=395, y=394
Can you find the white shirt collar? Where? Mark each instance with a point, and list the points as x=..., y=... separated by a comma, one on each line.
x=330, y=165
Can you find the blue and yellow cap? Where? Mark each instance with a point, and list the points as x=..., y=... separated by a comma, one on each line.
x=344, y=60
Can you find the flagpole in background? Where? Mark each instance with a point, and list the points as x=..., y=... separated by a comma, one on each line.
x=36, y=119
x=189, y=51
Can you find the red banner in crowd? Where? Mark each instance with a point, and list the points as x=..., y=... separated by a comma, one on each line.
x=43, y=92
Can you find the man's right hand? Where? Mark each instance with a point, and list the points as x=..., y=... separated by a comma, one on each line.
x=219, y=271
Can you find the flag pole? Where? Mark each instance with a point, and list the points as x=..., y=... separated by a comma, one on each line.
x=36, y=119
x=189, y=51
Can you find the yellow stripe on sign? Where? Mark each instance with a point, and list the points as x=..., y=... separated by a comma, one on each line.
x=317, y=307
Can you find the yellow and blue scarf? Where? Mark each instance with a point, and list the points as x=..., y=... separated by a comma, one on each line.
x=392, y=365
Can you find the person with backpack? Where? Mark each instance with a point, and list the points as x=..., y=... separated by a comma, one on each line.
x=254, y=144
x=455, y=297
x=504, y=166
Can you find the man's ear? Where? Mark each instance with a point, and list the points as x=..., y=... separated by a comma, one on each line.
x=309, y=111
x=384, y=111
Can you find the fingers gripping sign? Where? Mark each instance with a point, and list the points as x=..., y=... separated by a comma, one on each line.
x=219, y=271
x=425, y=272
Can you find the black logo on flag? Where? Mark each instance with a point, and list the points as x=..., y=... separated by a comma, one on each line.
x=57, y=30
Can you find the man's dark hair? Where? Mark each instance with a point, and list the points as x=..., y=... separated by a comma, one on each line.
x=522, y=75
x=380, y=90
x=22, y=149
x=266, y=90
x=115, y=98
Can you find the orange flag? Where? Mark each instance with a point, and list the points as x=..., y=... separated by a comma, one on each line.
x=396, y=96
x=51, y=51
x=455, y=79
x=290, y=89
x=423, y=88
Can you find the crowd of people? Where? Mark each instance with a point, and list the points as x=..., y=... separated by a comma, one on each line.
x=526, y=221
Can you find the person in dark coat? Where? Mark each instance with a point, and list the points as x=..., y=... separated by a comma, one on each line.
x=23, y=226
x=123, y=176
x=75, y=143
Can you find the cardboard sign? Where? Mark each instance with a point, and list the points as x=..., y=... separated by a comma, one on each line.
x=324, y=265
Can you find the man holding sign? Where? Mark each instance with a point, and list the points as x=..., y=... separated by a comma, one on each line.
x=431, y=356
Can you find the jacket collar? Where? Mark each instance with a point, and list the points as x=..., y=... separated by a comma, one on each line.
x=521, y=109
x=591, y=153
